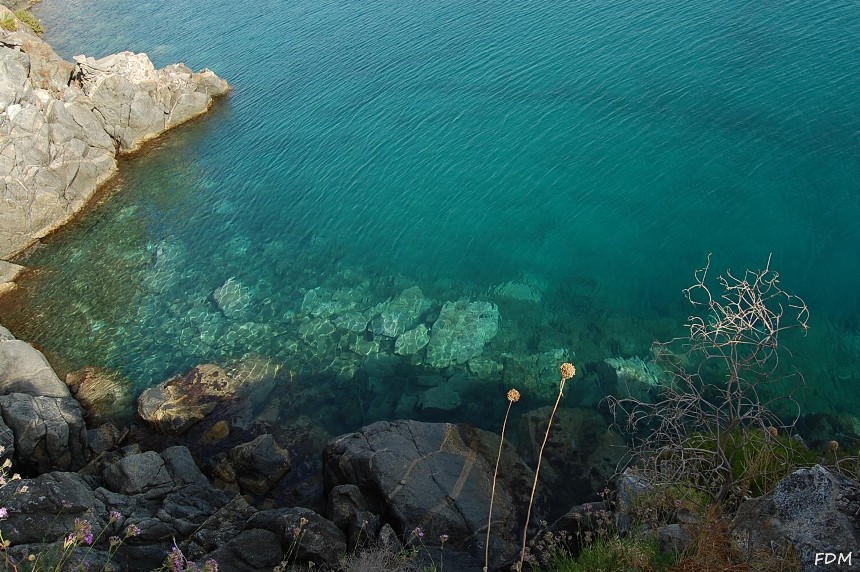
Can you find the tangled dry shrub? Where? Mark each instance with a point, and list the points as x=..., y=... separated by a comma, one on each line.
x=716, y=398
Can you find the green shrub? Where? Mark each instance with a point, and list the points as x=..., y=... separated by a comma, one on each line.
x=27, y=17
x=616, y=554
x=758, y=459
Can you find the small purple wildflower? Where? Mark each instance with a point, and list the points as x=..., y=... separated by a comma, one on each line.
x=114, y=515
x=132, y=530
x=444, y=538
x=4, y=512
x=176, y=560
x=88, y=539
x=418, y=532
x=211, y=565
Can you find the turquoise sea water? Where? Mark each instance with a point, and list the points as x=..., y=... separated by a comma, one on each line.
x=592, y=152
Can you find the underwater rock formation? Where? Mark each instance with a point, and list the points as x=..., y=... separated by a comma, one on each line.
x=461, y=331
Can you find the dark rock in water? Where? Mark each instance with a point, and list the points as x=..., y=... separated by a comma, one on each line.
x=176, y=405
x=257, y=465
x=581, y=452
x=438, y=477
x=49, y=431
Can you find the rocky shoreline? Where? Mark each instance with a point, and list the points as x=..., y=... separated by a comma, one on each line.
x=63, y=124
x=194, y=463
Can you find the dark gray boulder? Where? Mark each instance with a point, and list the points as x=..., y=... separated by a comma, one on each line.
x=438, y=477
x=810, y=512
x=49, y=432
x=818, y=511
x=252, y=550
x=44, y=509
x=258, y=465
x=144, y=474
x=308, y=537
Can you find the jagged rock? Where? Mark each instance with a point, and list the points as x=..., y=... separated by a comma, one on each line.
x=44, y=509
x=23, y=369
x=310, y=537
x=177, y=404
x=61, y=125
x=137, y=101
x=256, y=466
x=137, y=474
x=436, y=476
x=49, y=431
x=104, y=394
x=461, y=331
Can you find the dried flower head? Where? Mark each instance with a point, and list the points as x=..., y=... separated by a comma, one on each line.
x=513, y=395
x=773, y=431
x=567, y=371
x=833, y=446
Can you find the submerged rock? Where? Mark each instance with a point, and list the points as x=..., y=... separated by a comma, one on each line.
x=413, y=341
x=461, y=331
x=104, y=394
x=401, y=313
x=232, y=298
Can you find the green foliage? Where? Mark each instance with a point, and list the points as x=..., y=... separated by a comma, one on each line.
x=27, y=17
x=615, y=554
x=9, y=23
x=660, y=504
x=758, y=461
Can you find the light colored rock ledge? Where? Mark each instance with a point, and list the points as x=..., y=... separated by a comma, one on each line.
x=62, y=126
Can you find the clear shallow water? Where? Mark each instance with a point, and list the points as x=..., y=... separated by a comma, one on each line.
x=600, y=150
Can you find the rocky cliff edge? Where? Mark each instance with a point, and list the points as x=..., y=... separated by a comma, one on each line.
x=62, y=125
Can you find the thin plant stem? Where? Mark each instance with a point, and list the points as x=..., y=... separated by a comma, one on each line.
x=537, y=473
x=493, y=492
